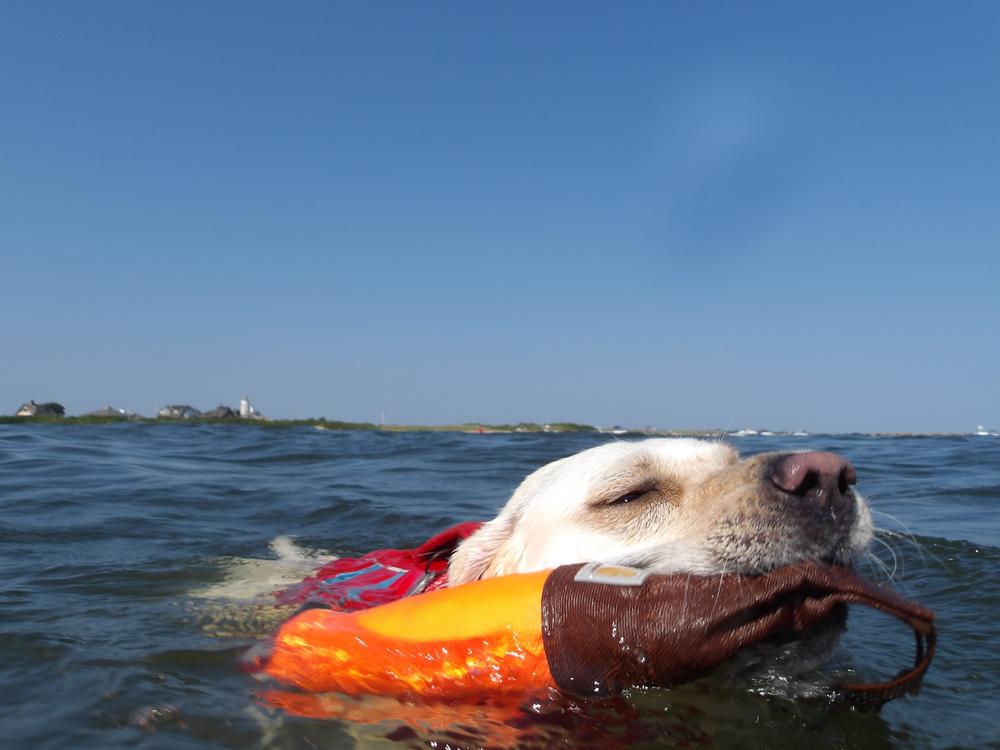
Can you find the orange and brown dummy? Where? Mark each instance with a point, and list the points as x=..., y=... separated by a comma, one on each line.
x=592, y=629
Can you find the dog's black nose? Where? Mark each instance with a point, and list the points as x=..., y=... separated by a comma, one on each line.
x=819, y=476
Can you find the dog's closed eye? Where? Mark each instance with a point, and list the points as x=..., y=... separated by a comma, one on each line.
x=644, y=493
x=629, y=497
x=638, y=494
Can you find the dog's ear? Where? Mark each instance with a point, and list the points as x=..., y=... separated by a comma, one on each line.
x=475, y=556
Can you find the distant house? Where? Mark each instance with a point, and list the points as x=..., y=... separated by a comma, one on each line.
x=49, y=409
x=247, y=410
x=221, y=412
x=245, y=407
x=178, y=411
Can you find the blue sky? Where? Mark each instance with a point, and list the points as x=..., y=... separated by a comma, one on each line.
x=672, y=214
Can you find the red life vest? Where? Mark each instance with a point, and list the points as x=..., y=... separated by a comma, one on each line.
x=349, y=584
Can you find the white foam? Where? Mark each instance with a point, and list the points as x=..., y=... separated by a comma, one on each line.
x=249, y=579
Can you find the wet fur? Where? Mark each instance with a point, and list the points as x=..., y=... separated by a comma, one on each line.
x=674, y=506
x=671, y=505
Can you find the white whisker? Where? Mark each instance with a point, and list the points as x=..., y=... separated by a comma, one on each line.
x=687, y=583
x=906, y=533
x=718, y=593
x=877, y=563
x=895, y=558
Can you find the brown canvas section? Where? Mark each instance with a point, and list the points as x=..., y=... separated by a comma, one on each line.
x=601, y=638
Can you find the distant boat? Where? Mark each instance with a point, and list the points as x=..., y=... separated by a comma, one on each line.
x=615, y=430
x=984, y=432
x=745, y=432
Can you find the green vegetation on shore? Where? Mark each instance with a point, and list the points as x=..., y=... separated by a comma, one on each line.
x=483, y=427
x=322, y=423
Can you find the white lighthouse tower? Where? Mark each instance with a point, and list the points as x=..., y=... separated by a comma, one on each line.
x=246, y=411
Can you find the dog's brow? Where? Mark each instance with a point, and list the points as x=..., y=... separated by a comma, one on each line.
x=628, y=473
x=642, y=465
x=630, y=470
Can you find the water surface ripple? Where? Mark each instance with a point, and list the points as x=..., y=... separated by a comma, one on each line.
x=107, y=530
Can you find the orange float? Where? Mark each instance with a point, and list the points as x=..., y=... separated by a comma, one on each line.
x=584, y=629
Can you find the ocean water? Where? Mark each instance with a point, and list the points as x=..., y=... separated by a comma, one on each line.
x=122, y=547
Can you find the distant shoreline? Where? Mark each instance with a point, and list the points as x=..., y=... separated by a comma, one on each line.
x=321, y=423
x=468, y=427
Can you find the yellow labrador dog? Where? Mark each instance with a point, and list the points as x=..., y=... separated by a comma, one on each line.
x=674, y=505
x=686, y=506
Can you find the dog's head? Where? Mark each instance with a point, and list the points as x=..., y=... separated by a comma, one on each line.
x=673, y=505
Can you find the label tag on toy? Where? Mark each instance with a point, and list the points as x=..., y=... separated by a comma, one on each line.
x=616, y=575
